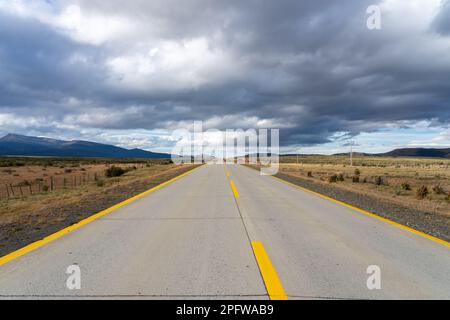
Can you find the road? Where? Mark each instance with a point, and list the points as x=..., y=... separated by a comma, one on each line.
x=226, y=232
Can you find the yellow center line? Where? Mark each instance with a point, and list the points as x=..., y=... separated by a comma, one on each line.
x=228, y=173
x=233, y=187
x=268, y=272
x=59, y=234
x=270, y=277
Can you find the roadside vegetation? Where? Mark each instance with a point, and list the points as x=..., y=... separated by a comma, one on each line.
x=23, y=177
x=417, y=183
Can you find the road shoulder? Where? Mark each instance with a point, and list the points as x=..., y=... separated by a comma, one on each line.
x=430, y=223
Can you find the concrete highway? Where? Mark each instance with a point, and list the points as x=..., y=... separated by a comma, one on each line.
x=226, y=232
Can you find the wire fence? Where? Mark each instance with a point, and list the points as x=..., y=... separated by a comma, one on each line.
x=47, y=184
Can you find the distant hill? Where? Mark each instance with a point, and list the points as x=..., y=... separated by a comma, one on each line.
x=408, y=152
x=404, y=152
x=420, y=152
x=18, y=145
x=357, y=154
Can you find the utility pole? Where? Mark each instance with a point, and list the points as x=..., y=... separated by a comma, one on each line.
x=351, y=152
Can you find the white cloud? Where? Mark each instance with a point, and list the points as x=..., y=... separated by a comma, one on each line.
x=72, y=20
x=171, y=65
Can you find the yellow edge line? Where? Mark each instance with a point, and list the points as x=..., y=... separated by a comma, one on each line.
x=35, y=245
x=233, y=187
x=268, y=272
x=396, y=224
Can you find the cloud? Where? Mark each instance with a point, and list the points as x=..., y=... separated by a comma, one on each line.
x=312, y=69
x=441, y=22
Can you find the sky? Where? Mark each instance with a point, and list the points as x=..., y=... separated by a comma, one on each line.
x=130, y=72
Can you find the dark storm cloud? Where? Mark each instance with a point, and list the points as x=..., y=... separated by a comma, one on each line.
x=36, y=70
x=441, y=23
x=311, y=67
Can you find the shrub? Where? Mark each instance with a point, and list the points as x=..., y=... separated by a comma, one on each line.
x=166, y=162
x=45, y=188
x=379, y=181
x=355, y=179
x=438, y=189
x=406, y=186
x=24, y=183
x=114, y=172
x=68, y=171
x=340, y=177
x=422, y=192
x=357, y=172
x=333, y=178
x=310, y=174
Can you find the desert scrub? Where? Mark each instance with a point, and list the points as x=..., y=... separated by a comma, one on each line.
x=310, y=174
x=422, y=192
x=379, y=181
x=114, y=171
x=24, y=183
x=355, y=179
x=333, y=178
x=340, y=177
x=405, y=186
x=357, y=172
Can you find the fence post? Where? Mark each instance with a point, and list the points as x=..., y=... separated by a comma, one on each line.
x=12, y=190
x=31, y=189
x=7, y=190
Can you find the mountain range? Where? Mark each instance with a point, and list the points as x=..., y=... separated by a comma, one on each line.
x=407, y=152
x=19, y=145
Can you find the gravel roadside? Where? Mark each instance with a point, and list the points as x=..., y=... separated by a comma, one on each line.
x=431, y=223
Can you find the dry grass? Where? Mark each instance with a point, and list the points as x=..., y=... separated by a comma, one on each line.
x=395, y=180
x=21, y=177
x=12, y=209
